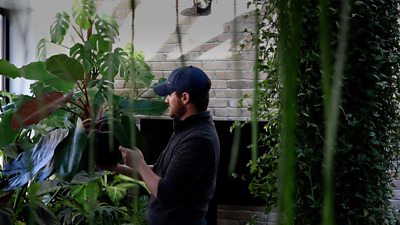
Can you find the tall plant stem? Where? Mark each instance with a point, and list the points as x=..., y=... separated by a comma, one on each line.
x=132, y=125
x=289, y=41
x=255, y=107
x=236, y=126
x=331, y=105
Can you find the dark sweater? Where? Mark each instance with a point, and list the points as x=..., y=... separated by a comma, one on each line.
x=188, y=169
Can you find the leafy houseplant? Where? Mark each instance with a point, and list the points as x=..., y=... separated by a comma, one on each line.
x=73, y=105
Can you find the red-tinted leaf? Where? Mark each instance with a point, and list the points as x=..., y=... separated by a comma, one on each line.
x=38, y=108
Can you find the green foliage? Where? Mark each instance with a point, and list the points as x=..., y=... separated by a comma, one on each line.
x=264, y=179
x=81, y=84
x=59, y=28
x=73, y=93
x=368, y=127
x=99, y=199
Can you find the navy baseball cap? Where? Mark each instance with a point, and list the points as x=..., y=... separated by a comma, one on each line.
x=188, y=79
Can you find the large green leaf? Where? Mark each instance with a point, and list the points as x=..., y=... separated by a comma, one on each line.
x=59, y=27
x=37, y=108
x=109, y=65
x=7, y=134
x=128, y=134
x=37, y=71
x=65, y=68
x=115, y=193
x=139, y=70
x=85, y=54
x=9, y=70
x=100, y=44
x=124, y=129
x=68, y=155
x=30, y=162
x=40, y=214
x=83, y=12
x=142, y=107
x=6, y=214
x=41, y=53
x=107, y=27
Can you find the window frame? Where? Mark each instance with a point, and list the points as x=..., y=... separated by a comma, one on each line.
x=5, y=45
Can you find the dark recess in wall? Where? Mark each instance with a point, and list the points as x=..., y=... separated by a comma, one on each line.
x=230, y=191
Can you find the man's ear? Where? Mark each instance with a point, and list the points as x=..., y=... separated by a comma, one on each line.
x=185, y=97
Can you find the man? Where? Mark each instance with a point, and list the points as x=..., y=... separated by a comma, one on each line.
x=183, y=179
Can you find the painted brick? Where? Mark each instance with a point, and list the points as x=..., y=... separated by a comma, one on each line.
x=171, y=65
x=164, y=66
x=230, y=112
x=241, y=65
x=148, y=94
x=239, y=27
x=244, y=214
x=396, y=194
x=396, y=183
x=215, y=65
x=238, y=103
x=395, y=203
x=232, y=75
x=122, y=92
x=168, y=48
x=159, y=57
x=221, y=37
x=159, y=74
x=193, y=55
x=240, y=84
x=247, y=55
x=227, y=222
x=185, y=20
x=119, y=84
x=219, y=84
x=172, y=39
x=218, y=103
x=249, y=18
x=205, y=47
x=230, y=93
x=184, y=27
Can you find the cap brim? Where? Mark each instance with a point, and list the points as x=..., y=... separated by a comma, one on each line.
x=163, y=89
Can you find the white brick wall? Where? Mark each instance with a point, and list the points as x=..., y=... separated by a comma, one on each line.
x=206, y=43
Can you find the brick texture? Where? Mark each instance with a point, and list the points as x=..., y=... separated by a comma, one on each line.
x=242, y=215
x=209, y=47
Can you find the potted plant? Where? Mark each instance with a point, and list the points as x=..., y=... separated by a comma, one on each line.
x=73, y=105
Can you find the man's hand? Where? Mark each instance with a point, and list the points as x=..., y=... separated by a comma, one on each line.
x=132, y=158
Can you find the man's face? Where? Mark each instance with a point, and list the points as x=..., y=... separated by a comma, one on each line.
x=176, y=106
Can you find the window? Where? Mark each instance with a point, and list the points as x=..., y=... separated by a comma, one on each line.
x=4, y=44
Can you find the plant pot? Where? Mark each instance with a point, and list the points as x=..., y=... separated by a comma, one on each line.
x=203, y=7
x=106, y=149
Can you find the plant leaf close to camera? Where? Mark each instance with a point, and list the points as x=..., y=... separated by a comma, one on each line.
x=65, y=68
x=83, y=12
x=69, y=153
x=37, y=71
x=9, y=70
x=59, y=28
x=29, y=163
x=7, y=135
x=38, y=108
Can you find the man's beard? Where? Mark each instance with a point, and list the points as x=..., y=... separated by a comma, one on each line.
x=178, y=111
